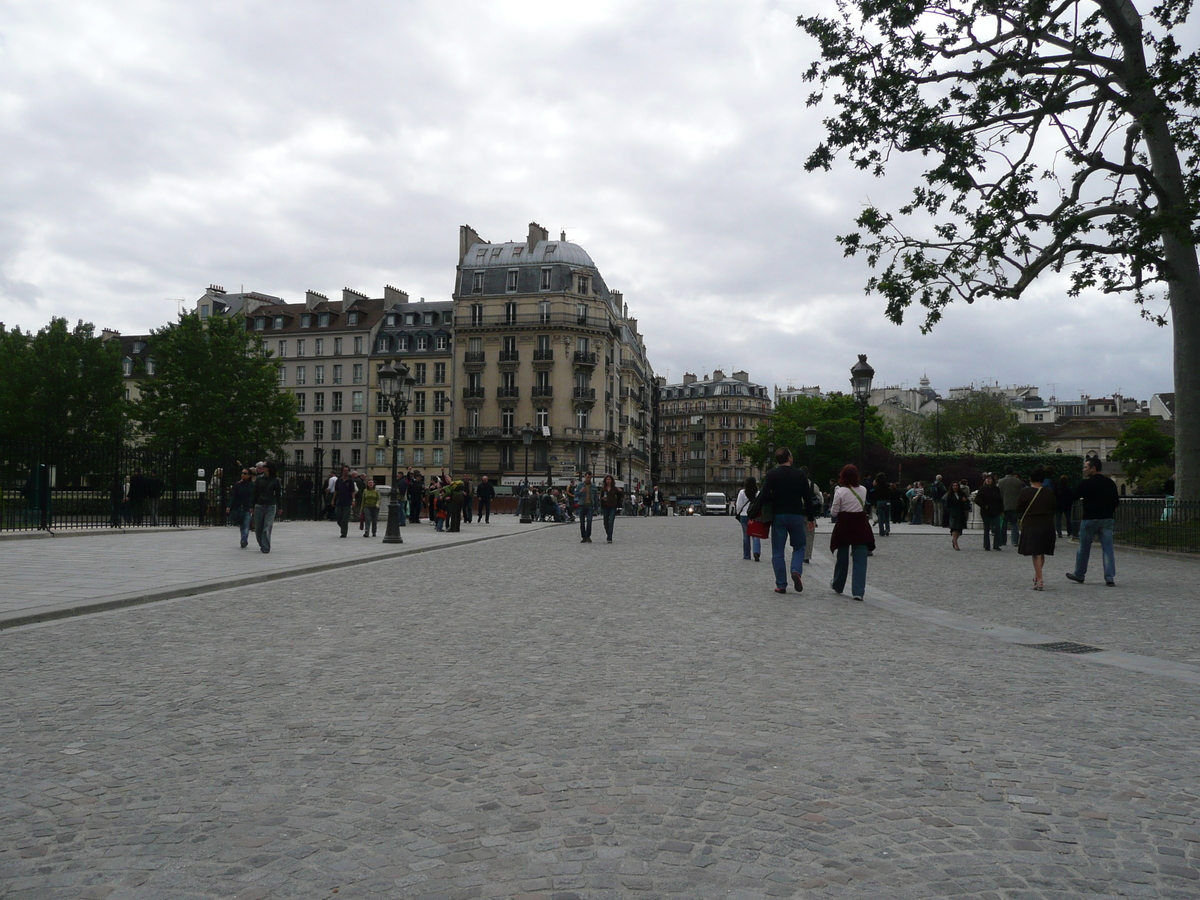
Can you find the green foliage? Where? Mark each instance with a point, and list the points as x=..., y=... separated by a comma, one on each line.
x=836, y=420
x=1143, y=446
x=60, y=386
x=215, y=391
x=979, y=423
x=1054, y=143
x=1154, y=478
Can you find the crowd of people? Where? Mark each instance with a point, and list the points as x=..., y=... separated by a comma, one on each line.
x=1033, y=512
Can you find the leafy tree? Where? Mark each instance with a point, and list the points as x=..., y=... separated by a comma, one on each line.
x=908, y=432
x=836, y=420
x=61, y=386
x=215, y=390
x=979, y=423
x=1061, y=137
x=1141, y=447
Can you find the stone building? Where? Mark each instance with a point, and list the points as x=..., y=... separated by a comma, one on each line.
x=543, y=342
x=702, y=424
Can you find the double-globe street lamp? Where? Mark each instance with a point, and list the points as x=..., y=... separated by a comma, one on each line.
x=860, y=379
x=396, y=387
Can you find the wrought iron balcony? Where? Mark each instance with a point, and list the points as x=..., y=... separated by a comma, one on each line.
x=474, y=357
x=473, y=393
x=543, y=390
x=511, y=392
x=583, y=358
x=543, y=355
x=585, y=395
x=510, y=356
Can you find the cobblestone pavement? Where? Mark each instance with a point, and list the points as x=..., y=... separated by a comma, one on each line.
x=48, y=577
x=532, y=717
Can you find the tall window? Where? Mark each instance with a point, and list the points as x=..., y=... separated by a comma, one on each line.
x=299, y=457
x=380, y=456
x=337, y=401
x=283, y=374
x=422, y=342
x=318, y=374
x=542, y=417
x=356, y=431
x=335, y=430
x=475, y=345
x=419, y=402
x=476, y=313
x=337, y=346
x=300, y=347
x=507, y=458
x=358, y=373
x=439, y=401
x=319, y=346
x=544, y=311
x=318, y=428
x=439, y=456
x=282, y=349
x=419, y=373
x=509, y=346
x=545, y=285
x=418, y=431
x=358, y=345
x=418, y=457
x=337, y=374
x=439, y=373
x=543, y=343
x=381, y=428
x=356, y=457
x=511, y=284
x=440, y=342
x=477, y=283
x=510, y=312
x=356, y=401
x=582, y=284
x=439, y=429
x=319, y=402
x=508, y=419
x=301, y=402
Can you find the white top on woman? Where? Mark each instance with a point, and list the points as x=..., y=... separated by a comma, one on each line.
x=847, y=499
x=741, y=504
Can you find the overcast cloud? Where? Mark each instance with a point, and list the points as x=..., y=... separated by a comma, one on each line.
x=150, y=148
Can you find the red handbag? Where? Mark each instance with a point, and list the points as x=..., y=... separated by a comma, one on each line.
x=757, y=528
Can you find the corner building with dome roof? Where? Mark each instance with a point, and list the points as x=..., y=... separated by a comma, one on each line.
x=541, y=340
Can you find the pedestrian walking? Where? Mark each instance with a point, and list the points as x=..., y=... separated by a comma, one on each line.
x=883, y=504
x=454, y=506
x=957, y=500
x=991, y=510
x=1010, y=490
x=467, y=494
x=343, y=499
x=916, y=503
x=1099, y=497
x=937, y=493
x=241, y=506
x=1064, y=498
x=330, y=495
x=1035, y=509
x=370, y=508
x=787, y=490
x=268, y=494
x=611, y=499
x=852, y=539
x=740, y=508
x=484, y=494
x=585, y=503
x=810, y=526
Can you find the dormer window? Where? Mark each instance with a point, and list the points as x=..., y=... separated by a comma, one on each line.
x=352, y=318
x=517, y=251
x=550, y=248
x=260, y=323
x=546, y=279
x=306, y=320
x=477, y=283
x=481, y=253
x=583, y=284
x=138, y=346
x=278, y=322
x=150, y=365
x=323, y=320
x=496, y=251
x=512, y=279
x=410, y=318
x=428, y=317
x=127, y=367
x=390, y=320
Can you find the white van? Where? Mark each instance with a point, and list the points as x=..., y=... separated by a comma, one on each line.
x=715, y=504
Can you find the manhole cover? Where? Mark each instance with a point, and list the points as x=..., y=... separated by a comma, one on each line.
x=1066, y=647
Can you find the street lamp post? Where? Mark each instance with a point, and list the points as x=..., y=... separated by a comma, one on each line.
x=860, y=379
x=526, y=439
x=395, y=386
x=595, y=459
x=810, y=441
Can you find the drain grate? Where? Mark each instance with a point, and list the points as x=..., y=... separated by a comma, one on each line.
x=1066, y=647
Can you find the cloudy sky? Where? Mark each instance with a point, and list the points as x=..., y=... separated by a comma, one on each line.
x=150, y=148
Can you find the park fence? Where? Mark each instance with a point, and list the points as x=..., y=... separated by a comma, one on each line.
x=49, y=488
x=1157, y=523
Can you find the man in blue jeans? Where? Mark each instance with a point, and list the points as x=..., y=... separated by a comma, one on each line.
x=790, y=495
x=585, y=499
x=1098, y=494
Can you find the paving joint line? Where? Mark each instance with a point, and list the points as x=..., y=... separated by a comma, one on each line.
x=210, y=587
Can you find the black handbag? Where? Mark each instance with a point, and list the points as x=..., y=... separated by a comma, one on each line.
x=760, y=509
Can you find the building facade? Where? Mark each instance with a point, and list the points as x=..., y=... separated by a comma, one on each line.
x=543, y=342
x=702, y=425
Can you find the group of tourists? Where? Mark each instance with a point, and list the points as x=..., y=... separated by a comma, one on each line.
x=1034, y=512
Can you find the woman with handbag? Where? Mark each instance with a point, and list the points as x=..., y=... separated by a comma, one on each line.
x=957, y=501
x=741, y=508
x=1036, y=506
x=852, y=538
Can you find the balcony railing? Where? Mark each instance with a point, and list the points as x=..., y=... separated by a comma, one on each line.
x=583, y=358
x=584, y=434
x=474, y=356
x=543, y=390
x=624, y=421
x=584, y=394
x=510, y=356
x=534, y=320
x=511, y=392
x=473, y=393
x=491, y=432
x=543, y=355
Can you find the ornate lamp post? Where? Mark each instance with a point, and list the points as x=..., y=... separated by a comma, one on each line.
x=810, y=441
x=526, y=439
x=396, y=386
x=595, y=459
x=860, y=378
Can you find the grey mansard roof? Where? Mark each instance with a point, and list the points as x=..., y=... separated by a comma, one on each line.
x=517, y=253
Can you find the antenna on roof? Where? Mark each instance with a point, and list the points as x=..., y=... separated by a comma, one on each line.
x=178, y=301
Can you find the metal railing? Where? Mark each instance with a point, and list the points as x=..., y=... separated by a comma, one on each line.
x=50, y=488
x=543, y=355
x=1154, y=523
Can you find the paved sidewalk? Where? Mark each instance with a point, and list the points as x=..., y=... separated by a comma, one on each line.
x=72, y=573
x=542, y=719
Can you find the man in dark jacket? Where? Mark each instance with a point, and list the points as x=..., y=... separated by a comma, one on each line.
x=1098, y=494
x=787, y=489
x=485, y=492
x=343, y=499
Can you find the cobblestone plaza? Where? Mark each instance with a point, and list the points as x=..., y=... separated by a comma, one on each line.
x=510, y=713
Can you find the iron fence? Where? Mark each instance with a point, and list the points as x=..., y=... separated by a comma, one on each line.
x=47, y=488
x=1156, y=523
